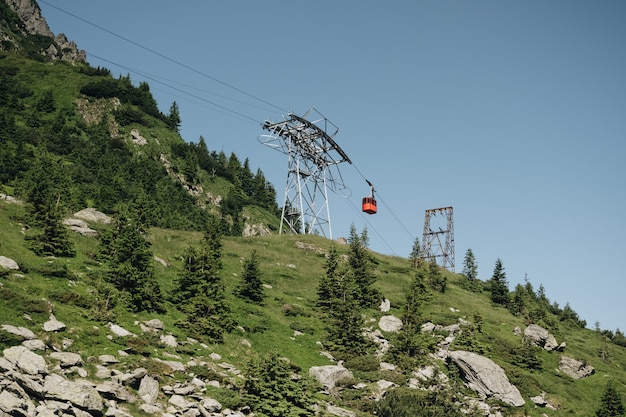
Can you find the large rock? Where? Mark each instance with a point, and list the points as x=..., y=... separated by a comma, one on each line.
x=93, y=216
x=540, y=336
x=22, y=332
x=80, y=394
x=53, y=325
x=80, y=226
x=486, y=377
x=148, y=389
x=575, y=368
x=8, y=263
x=328, y=375
x=390, y=324
x=27, y=361
x=67, y=359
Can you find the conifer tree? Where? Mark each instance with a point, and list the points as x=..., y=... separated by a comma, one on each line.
x=611, y=404
x=470, y=269
x=200, y=292
x=338, y=298
x=252, y=287
x=498, y=285
x=127, y=254
x=410, y=345
x=44, y=187
x=436, y=280
x=362, y=268
x=271, y=390
x=174, y=117
x=416, y=254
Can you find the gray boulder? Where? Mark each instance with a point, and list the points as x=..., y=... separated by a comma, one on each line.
x=390, y=324
x=80, y=394
x=67, y=359
x=27, y=361
x=329, y=375
x=148, y=389
x=53, y=325
x=486, y=377
x=93, y=216
x=22, y=332
x=540, y=336
x=8, y=263
x=12, y=405
x=575, y=368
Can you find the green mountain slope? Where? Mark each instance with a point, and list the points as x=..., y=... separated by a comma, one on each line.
x=73, y=137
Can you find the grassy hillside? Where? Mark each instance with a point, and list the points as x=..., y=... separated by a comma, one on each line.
x=291, y=268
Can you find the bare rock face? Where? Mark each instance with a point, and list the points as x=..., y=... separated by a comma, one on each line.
x=35, y=24
x=486, y=377
x=30, y=14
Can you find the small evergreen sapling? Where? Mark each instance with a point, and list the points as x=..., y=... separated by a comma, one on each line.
x=252, y=287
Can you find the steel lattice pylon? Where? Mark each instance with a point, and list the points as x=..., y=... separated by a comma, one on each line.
x=433, y=249
x=313, y=157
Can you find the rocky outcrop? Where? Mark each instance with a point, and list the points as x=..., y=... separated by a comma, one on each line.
x=486, y=377
x=57, y=384
x=35, y=24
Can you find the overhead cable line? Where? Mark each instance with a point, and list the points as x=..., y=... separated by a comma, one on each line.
x=163, y=56
x=356, y=209
x=385, y=204
x=224, y=108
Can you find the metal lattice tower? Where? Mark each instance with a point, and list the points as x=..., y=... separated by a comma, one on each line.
x=438, y=245
x=313, y=157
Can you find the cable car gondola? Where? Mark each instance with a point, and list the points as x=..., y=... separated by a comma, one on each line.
x=369, y=203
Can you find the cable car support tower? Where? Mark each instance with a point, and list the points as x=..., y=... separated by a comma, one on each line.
x=313, y=169
x=438, y=245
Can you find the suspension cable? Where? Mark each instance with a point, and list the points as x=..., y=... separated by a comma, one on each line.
x=163, y=56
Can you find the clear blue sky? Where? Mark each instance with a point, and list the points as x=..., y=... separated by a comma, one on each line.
x=514, y=113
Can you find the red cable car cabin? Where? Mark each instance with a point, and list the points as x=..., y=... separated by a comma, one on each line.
x=369, y=205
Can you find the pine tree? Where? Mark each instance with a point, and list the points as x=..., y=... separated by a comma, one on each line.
x=362, y=268
x=44, y=187
x=611, y=405
x=416, y=254
x=436, y=280
x=410, y=345
x=470, y=269
x=200, y=291
x=127, y=254
x=498, y=285
x=174, y=117
x=338, y=294
x=252, y=287
x=271, y=390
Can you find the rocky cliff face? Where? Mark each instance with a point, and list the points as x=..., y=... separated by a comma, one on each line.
x=33, y=23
